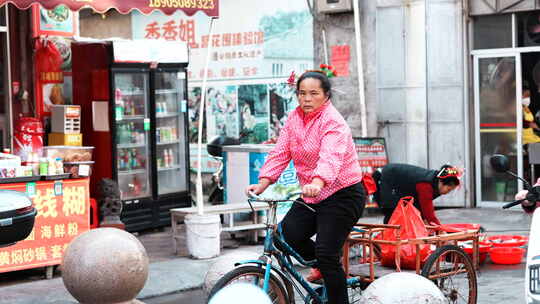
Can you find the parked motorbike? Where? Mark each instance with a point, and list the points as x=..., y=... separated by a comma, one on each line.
x=532, y=271
x=215, y=150
x=17, y=216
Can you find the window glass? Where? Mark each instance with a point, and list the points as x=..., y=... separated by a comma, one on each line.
x=3, y=15
x=491, y=32
x=528, y=29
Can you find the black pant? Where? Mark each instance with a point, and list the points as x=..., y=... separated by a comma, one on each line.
x=332, y=222
x=387, y=212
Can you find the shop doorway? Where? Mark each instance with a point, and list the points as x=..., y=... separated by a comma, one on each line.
x=497, y=88
x=507, y=115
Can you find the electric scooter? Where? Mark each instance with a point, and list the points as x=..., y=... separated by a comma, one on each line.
x=215, y=150
x=529, y=202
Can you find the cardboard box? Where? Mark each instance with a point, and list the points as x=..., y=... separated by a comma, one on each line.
x=62, y=139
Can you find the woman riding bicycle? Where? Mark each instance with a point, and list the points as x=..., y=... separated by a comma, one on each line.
x=319, y=142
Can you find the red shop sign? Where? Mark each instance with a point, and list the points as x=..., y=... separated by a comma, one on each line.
x=168, y=7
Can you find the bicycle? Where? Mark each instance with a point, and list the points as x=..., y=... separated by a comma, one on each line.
x=280, y=282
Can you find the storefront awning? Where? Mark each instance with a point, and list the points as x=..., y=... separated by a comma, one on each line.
x=189, y=7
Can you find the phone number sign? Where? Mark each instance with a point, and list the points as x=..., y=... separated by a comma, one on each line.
x=209, y=7
x=62, y=216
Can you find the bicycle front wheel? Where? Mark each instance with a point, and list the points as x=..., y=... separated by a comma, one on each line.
x=452, y=271
x=253, y=275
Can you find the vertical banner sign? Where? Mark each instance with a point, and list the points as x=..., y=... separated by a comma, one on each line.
x=340, y=58
x=63, y=214
x=371, y=156
x=371, y=153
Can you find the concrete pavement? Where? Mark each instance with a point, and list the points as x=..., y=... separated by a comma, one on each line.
x=172, y=274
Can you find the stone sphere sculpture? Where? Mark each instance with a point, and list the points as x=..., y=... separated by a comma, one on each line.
x=224, y=264
x=412, y=289
x=105, y=265
x=241, y=293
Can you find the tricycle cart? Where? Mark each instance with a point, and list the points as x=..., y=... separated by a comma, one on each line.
x=448, y=266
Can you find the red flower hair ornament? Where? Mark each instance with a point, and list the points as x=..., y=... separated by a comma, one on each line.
x=325, y=69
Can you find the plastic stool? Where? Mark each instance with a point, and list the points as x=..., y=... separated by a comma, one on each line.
x=94, y=218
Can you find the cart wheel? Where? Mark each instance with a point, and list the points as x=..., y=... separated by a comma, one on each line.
x=451, y=269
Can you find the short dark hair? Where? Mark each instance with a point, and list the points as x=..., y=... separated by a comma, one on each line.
x=319, y=75
x=449, y=180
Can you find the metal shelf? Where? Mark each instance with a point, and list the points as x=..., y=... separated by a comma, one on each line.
x=131, y=172
x=129, y=146
x=167, y=91
x=170, y=168
x=133, y=93
x=167, y=115
x=168, y=142
x=131, y=117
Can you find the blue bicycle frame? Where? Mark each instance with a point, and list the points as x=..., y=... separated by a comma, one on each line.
x=274, y=236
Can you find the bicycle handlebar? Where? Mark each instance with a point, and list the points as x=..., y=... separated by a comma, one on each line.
x=256, y=198
x=512, y=204
x=533, y=195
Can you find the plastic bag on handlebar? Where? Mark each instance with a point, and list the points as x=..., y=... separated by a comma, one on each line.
x=412, y=227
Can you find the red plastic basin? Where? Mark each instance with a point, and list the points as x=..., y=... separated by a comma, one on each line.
x=459, y=227
x=506, y=255
x=483, y=252
x=507, y=240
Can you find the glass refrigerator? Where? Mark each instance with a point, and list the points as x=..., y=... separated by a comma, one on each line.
x=146, y=147
x=150, y=115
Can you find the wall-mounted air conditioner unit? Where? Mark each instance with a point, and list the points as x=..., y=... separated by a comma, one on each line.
x=334, y=6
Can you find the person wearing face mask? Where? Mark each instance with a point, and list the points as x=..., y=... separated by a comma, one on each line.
x=530, y=128
x=424, y=185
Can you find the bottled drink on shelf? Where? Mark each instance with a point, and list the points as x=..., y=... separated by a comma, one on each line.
x=133, y=110
x=121, y=159
x=59, y=165
x=168, y=133
x=43, y=166
x=119, y=102
x=166, y=158
x=174, y=136
x=137, y=186
x=119, y=134
x=163, y=134
x=164, y=107
x=127, y=160
x=132, y=131
x=158, y=134
x=51, y=167
x=141, y=138
x=171, y=158
x=134, y=159
x=126, y=107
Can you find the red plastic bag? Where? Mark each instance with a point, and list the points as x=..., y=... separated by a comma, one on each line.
x=369, y=183
x=412, y=227
x=48, y=61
